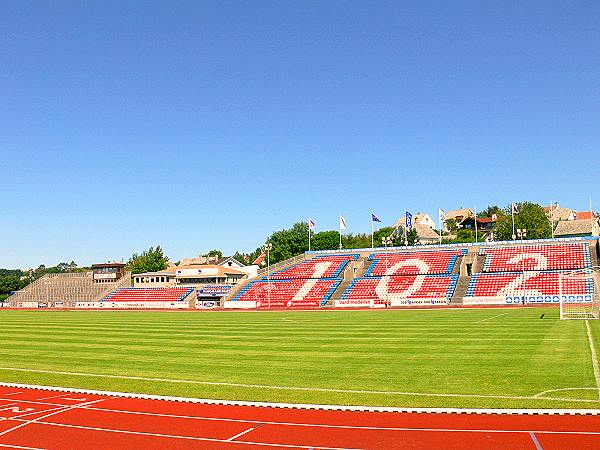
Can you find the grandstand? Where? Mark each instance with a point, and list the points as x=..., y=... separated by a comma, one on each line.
x=64, y=290
x=481, y=274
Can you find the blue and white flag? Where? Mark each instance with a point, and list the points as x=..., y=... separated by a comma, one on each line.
x=311, y=224
x=342, y=223
x=408, y=220
x=441, y=215
x=374, y=218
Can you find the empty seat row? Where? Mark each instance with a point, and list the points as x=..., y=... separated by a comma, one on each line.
x=431, y=286
x=323, y=266
x=537, y=257
x=148, y=295
x=289, y=293
x=410, y=263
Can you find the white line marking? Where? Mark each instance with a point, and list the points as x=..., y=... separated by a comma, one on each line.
x=66, y=408
x=13, y=393
x=535, y=441
x=490, y=318
x=350, y=427
x=20, y=447
x=296, y=388
x=208, y=401
x=594, y=356
x=258, y=423
x=52, y=396
x=242, y=433
x=193, y=438
x=541, y=394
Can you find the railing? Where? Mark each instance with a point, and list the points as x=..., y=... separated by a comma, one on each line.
x=281, y=265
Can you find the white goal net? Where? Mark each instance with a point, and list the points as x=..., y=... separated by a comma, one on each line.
x=579, y=294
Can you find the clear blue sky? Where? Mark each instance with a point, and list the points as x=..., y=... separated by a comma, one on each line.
x=199, y=125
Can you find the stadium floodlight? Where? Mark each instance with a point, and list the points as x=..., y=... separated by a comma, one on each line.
x=268, y=248
x=579, y=294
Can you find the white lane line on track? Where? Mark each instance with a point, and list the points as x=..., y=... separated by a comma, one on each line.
x=53, y=396
x=13, y=393
x=60, y=410
x=208, y=401
x=535, y=441
x=192, y=438
x=296, y=388
x=490, y=318
x=242, y=433
x=20, y=447
x=350, y=427
x=594, y=356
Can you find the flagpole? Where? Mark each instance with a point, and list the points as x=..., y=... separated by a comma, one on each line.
x=440, y=223
x=340, y=232
x=476, y=234
x=309, y=220
x=512, y=213
x=591, y=217
x=405, y=225
x=372, y=236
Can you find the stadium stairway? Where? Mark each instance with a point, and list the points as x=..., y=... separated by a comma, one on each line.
x=361, y=265
x=460, y=290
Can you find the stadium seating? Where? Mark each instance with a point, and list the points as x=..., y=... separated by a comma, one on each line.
x=294, y=293
x=408, y=287
x=537, y=257
x=411, y=263
x=542, y=285
x=148, y=295
x=325, y=266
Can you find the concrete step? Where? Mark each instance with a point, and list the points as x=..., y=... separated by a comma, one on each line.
x=460, y=291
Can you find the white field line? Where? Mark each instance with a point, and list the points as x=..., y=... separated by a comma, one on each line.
x=292, y=388
x=37, y=419
x=191, y=438
x=495, y=411
x=541, y=394
x=594, y=356
x=490, y=318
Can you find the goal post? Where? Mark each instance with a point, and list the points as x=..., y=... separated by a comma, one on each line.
x=579, y=295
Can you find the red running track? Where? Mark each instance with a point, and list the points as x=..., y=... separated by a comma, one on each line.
x=43, y=419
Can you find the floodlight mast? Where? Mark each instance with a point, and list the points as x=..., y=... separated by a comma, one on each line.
x=387, y=241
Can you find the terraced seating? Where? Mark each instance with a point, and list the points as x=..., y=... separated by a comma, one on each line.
x=537, y=257
x=399, y=289
x=538, y=287
x=411, y=263
x=323, y=266
x=148, y=295
x=297, y=293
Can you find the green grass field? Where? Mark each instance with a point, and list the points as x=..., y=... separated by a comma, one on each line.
x=492, y=358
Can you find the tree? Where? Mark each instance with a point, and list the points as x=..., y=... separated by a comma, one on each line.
x=289, y=243
x=152, y=260
x=530, y=216
x=451, y=226
x=217, y=253
x=325, y=240
x=491, y=210
x=412, y=237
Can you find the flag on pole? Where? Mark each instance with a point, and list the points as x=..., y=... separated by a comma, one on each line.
x=374, y=218
x=342, y=223
x=311, y=224
x=515, y=209
x=409, y=220
x=441, y=215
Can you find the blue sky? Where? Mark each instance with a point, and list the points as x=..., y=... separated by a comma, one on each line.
x=200, y=125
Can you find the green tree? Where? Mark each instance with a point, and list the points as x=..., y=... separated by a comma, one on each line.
x=530, y=216
x=490, y=210
x=151, y=260
x=217, y=253
x=289, y=243
x=325, y=240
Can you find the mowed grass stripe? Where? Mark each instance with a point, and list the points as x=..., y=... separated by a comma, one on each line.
x=423, y=351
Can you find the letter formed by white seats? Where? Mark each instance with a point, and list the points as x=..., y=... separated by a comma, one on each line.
x=382, y=288
x=519, y=283
x=320, y=269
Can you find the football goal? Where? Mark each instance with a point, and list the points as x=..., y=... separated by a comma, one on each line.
x=579, y=295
